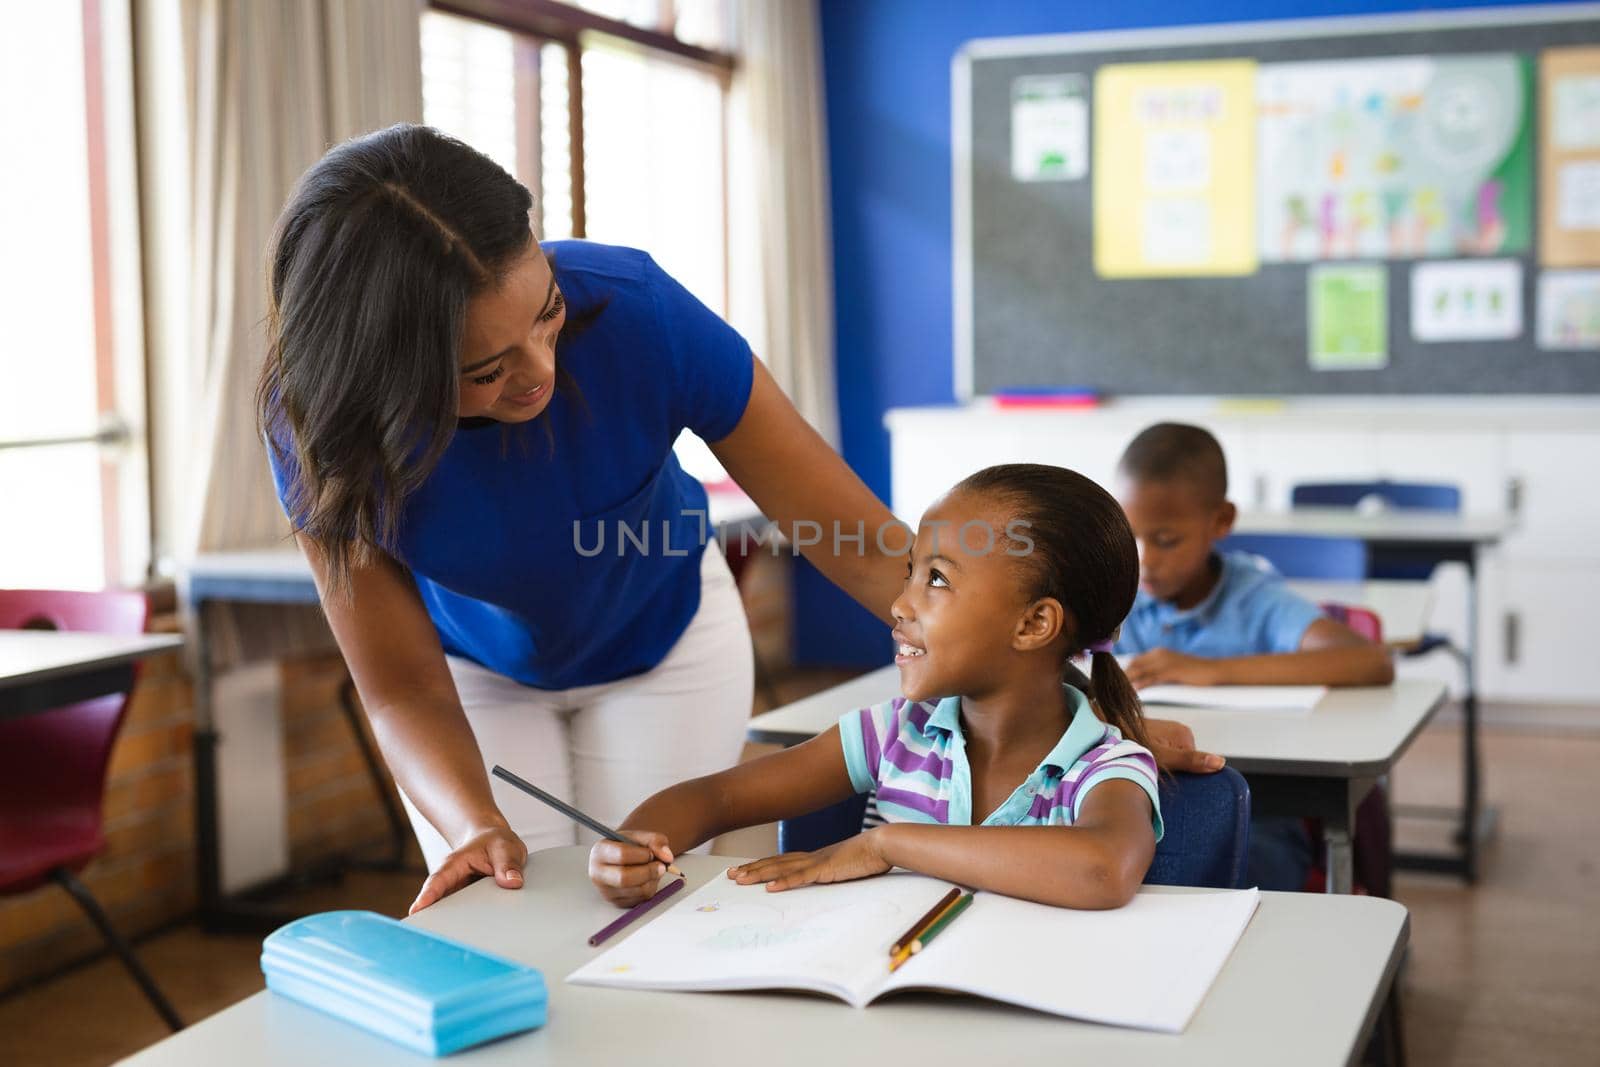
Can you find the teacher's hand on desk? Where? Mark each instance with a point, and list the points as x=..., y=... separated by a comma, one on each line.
x=493, y=851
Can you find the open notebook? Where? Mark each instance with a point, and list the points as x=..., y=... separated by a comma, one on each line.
x=1147, y=965
x=1236, y=697
x=1232, y=697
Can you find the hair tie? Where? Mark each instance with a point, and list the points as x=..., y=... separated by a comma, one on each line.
x=1107, y=644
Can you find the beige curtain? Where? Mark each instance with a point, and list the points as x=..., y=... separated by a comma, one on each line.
x=237, y=98
x=781, y=295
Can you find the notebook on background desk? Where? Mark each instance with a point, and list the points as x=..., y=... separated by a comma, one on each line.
x=1147, y=965
x=1297, y=698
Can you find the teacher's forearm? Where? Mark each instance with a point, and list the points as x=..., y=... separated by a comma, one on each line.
x=872, y=577
x=435, y=759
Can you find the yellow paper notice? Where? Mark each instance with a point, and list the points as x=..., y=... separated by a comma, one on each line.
x=1174, y=169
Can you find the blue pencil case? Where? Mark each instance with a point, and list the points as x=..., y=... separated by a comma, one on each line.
x=418, y=989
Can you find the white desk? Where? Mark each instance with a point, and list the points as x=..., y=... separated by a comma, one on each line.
x=1319, y=764
x=1410, y=536
x=44, y=669
x=1397, y=525
x=1251, y=1015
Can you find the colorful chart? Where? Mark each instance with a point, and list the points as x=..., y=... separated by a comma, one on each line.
x=1404, y=157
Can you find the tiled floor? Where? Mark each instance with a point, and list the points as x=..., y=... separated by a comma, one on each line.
x=1507, y=972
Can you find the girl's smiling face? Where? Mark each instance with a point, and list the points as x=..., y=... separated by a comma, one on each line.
x=965, y=613
x=508, y=348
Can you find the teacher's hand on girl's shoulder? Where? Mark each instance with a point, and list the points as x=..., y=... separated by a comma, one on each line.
x=626, y=874
x=1172, y=744
x=494, y=851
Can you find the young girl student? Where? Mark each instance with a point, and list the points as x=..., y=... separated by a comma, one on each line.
x=989, y=771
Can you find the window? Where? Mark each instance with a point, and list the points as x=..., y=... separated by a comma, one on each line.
x=612, y=112
x=73, y=492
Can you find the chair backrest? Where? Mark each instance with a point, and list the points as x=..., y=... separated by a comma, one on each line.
x=1329, y=559
x=108, y=612
x=1206, y=839
x=824, y=827
x=1362, y=620
x=1414, y=496
x=1207, y=831
x=56, y=760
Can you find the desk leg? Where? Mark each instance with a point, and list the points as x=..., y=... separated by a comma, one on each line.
x=1333, y=800
x=208, y=853
x=1469, y=741
x=1340, y=859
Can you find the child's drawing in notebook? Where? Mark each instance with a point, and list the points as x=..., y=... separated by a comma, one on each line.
x=769, y=925
x=989, y=770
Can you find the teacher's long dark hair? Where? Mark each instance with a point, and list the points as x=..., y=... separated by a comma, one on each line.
x=375, y=257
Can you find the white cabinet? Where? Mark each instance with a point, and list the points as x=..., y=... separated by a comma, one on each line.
x=1557, y=489
x=1537, y=591
x=1540, y=640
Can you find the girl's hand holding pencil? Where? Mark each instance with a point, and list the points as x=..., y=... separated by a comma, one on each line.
x=627, y=873
x=857, y=857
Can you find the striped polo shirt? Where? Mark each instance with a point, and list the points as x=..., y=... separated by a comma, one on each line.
x=913, y=755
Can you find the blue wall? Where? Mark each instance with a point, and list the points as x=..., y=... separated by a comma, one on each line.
x=886, y=65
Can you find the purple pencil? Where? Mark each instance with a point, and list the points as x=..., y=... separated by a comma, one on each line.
x=637, y=910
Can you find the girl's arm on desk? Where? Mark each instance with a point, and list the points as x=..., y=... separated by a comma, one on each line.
x=1330, y=654
x=783, y=785
x=1098, y=862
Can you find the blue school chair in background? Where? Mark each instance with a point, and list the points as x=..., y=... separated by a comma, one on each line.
x=1407, y=496
x=1206, y=839
x=1306, y=556
x=1439, y=499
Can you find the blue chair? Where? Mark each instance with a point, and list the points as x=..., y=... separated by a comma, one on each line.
x=1329, y=559
x=1412, y=496
x=1398, y=496
x=1206, y=842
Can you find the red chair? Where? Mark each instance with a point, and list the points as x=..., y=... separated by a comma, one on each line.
x=53, y=768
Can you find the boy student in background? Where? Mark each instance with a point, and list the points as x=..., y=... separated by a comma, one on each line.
x=989, y=771
x=1204, y=617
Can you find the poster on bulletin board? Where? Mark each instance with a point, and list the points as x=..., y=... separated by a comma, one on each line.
x=1398, y=157
x=1174, y=168
x=1569, y=186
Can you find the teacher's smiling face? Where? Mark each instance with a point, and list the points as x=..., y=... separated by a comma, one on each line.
x=508, y=348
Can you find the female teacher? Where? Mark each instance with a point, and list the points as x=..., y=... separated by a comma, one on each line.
x=472, y=436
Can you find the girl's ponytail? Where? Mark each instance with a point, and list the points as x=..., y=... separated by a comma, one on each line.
x=1119, y=701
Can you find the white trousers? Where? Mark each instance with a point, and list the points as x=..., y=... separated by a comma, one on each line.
x=607, y=747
